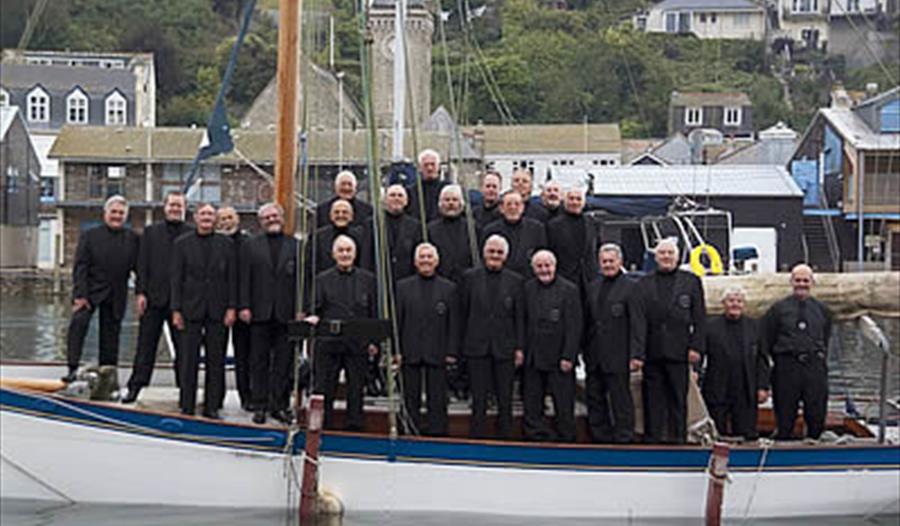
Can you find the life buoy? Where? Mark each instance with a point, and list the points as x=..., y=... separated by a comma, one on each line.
x=715, y=261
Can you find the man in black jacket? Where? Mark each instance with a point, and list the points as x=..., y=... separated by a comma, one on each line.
x=551, y=200
x=737, y=373
x=489, y=209
x=428, y=318
x=402, y=232
x=341, y=216
x=615, y=329
x=554, y=321
x=344, y=188
x=152, y=288
x=267, y=301
x=796, y=332
x=105, y=256
x=525, y=236
x=228, y=224
x=430, y=177
x=204, y=295
x=343, y=292
x=573, y=238
x=450, y=234
x=522, y=182
x=676, y=321
x=493, y=307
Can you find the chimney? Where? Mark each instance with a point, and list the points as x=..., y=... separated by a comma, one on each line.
x=872, y=89
x=839, y=97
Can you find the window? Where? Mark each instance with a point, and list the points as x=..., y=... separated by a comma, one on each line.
x=693, y=116
x=116, y=110
x=712, y=18
x=4, y=97
x=174, y=175
x=671, y=22
x=732, y=117
x=806, y=6
x=96, y=182
x=12, y=179
x=741, y=19
x=703, y=17
x=48, y=189
x=890, y=117
x=38, y=105
x=77, y=107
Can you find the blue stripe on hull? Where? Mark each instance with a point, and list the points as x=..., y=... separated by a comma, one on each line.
x=452, y=452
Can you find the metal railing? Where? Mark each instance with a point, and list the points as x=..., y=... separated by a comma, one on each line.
x=873, y=333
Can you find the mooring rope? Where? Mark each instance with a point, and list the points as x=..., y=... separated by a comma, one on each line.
x=766, y=445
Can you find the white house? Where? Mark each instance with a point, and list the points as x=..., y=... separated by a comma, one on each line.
x=713, y=19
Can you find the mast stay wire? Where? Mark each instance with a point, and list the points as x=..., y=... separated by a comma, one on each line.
x=865, y=41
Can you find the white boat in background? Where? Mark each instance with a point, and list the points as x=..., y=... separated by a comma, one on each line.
x=76, y=451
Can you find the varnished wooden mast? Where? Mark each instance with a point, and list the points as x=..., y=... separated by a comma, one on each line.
x=288, y=80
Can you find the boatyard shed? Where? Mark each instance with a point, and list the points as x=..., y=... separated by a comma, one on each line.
x=19, y=191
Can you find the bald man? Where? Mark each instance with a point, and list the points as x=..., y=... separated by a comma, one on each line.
x=796, y=331
x=523, y=184
x=552, y=199
x=402, y=232
x=341, y=223
x=573, y=237
x=524, y=235
x=345, y=187
x=489, y=209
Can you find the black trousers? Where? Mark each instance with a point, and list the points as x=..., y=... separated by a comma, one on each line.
x=271, y=359
x=149, y=331
x=213, y=335
x=110, y=326
x=562, y=389
x=435, y=396
x=735, y=417
x=665, y=401
x=610, y=406
x=798, y=379
x=486, y=375
x=240, y=341
x=328, y=365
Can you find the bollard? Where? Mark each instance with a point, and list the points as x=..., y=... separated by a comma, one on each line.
x=309, y=489
x=715, y=489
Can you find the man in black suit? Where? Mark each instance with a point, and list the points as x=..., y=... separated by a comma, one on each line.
x=402, y=232
x=737, y=373
x=428, y=318
x=489, y=209
x=676, y=322
x=105, y=256
x=204, y=295
x=341, y=216
x=450, y=234
x=573, y=238
x=268, y=301
x=430, y=177
x=493, y=344
x=344, y=188
x=228, y=224
x=615, y=329
x=554, y=321
x=343, y=292
x=551, y=199
x=522, y=182
x=524, y=235
x=152, y=288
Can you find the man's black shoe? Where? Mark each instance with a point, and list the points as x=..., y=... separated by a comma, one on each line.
x=131, y=396
x=212, y=414
x=259, y=417
x=282, y=416
x=187, y=412
x=71, y=377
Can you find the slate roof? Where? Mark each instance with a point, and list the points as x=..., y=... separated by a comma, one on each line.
x=699, y=99
x=697, y=180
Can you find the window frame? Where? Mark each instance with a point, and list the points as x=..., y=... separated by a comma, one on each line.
x=120, y=114
x=37, y=99
x=78, y=96
x=732, y=122
x=688, y=111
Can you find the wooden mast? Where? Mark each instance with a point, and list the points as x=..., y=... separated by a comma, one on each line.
x=288, y=80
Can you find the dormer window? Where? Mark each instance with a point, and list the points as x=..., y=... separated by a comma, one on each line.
x=4, y=97
x=77, y=107
x=693, y=116
x=38, y=105
x=732, y=116
x=805, y=6
x=116, y=109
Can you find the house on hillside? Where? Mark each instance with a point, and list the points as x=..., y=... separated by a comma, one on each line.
x=848, y=165
x=729, y=113
x=718, y=19
x=862, y=31
x=802, y=23
x=19, y=191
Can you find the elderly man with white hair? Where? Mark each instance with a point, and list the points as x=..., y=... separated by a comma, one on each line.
x=430, y=177
x=345, y=187
x=105, y=257
x=573, y=237
x=796, y=332
x=450, y=234
x=676, y=322
x=525, y=235
x=737, y=372
x=553, y=318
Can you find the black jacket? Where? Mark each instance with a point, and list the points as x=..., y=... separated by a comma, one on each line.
x=103, y=260
x=343, y=296
x=554, y=321
x=676, y=325
x=484, y=216
x=268, y=288
x=495, y=323
x=154, y=264
x=451, y=237
x=403, y=234
x=428, y=318
x=525, y=238
x=431, y=191
x=615, y=325
x=576, y=258
x=204, y=276
x=791, y=326
x=362, y=211
x=325, y=237
x=754, y=364
x=535, y=210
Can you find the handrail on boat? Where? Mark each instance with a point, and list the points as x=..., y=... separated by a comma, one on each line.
x=873, y=333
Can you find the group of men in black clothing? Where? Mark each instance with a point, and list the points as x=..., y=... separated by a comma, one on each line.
x=545, y=292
